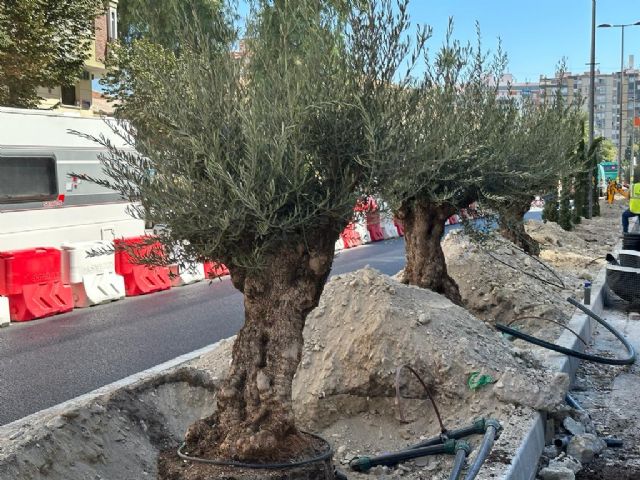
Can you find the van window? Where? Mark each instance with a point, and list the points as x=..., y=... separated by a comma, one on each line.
x=25, y=179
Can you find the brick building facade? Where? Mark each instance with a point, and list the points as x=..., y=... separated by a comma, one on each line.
x=79, y=97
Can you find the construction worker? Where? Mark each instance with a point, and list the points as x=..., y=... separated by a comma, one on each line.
x=634, y=206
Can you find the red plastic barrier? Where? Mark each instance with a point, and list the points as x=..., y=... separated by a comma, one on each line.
x=215, y=270
x=31, y=279
x=350, y=236
x=140, y=279
x=399, y=227
x=373, y=225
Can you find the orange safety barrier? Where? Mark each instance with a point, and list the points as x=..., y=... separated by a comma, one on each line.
x=373, y=225
x=350, y=236
x=140, y=279
x=31, y=280
x=215, y=270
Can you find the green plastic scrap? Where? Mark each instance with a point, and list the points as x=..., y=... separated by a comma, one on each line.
x=476, y=380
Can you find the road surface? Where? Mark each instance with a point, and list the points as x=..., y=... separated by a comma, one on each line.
x=45, y=362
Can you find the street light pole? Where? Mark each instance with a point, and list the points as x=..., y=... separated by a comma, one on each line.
x=621, y=26
x=621, y=93
x=592, y=93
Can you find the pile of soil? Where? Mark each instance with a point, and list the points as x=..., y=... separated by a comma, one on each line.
x=499, y=283
x=366, y=325
x=582, y=250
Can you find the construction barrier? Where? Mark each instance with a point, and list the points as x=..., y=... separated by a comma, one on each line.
x=399, y=227
x=186, y=274
x=90, y=269
x=373, y=225
x=140, y=279
x=31, y=280
x=363, y=232
x=350, y=236
x=4, y=312
x=339, y=244
x=629, y=258
x=215, y=270
x=389, y=229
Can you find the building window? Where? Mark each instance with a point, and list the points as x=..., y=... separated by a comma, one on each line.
x=27, y=179
x=113, y=23
x=69, y=95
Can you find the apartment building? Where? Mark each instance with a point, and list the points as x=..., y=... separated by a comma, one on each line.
x=79, y=97
x=575, y=87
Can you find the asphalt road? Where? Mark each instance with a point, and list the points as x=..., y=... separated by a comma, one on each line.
x=45, y=362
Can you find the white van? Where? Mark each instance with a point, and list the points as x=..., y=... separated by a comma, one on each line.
x=41, y=203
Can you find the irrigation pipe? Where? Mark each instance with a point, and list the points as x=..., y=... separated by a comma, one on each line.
x=462, y=450
x=365, y=463
x=629, y=360
x=478, y=427
x=548, y=320
x=536, y=277
x=490, y=436
x=326, y=455
x=426, y=389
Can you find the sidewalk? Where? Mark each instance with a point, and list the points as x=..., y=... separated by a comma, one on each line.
x=611, y=396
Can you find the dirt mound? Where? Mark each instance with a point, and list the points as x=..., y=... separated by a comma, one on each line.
x=368, y=324
x=500, y=283
x=582, y=250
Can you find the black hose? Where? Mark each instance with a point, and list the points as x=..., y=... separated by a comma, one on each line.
x=326, y=455
x=563, y=441
x=493, y=427
x=478, y=427
x=574, y=353
x=605, y=324
x=462, y=450
x=340, y=475
x=613, y=442
x=364, y=464
x=572, y=402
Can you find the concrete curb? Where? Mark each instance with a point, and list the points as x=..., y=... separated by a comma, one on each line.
x=524, y=464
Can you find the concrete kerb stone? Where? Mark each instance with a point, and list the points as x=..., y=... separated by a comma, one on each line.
x=524, y=464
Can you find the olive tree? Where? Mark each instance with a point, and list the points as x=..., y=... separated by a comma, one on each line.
x=537, y=149
x=450, y=139
x=257, y=162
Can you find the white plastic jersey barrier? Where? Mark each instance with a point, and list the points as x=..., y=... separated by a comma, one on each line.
x=361, y=228
x=90, y=269
x=4, y=312
x=339, y=244
x=389, y=229
x=186, y=274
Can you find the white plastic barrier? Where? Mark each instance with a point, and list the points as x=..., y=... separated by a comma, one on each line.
x=4, y=312
x=339, y=244
x=361, y=228
x=90, y=269
x=186, y=274
x=389, y=229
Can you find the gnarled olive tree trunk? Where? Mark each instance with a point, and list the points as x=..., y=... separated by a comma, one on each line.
x=254, y=418
x=511, y=223
x=426, y=267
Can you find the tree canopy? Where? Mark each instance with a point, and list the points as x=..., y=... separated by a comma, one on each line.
x=258, y=162
x=43, y=43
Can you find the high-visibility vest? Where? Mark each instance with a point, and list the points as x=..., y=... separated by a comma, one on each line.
x=634, y=198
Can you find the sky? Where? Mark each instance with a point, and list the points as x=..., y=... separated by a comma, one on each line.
x=536, y=34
